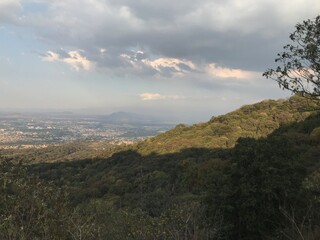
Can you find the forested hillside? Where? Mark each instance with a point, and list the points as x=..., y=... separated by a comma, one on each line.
x=257, y=120
x=250, y=174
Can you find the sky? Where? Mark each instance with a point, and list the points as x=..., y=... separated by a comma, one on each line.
x=182, y=60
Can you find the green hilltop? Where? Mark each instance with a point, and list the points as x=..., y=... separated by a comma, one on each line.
x=256, y=120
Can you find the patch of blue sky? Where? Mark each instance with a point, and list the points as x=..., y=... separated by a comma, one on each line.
x=16, y=41
x=35, y=7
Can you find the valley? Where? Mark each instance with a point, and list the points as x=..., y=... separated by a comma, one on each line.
x=39, y=130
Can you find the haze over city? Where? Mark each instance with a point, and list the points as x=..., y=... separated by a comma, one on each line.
x=187, y=60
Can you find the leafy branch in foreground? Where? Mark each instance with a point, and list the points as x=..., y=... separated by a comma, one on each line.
x=299, y=63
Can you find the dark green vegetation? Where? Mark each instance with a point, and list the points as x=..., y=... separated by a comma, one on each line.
x=251, y=174
x=62, y=152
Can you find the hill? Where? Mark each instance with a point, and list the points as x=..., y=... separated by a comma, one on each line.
x=257, y=120
x=263, y=185
x=129, y=118
x=221, y=132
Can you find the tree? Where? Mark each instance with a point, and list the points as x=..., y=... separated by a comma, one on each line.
x=299, y=69
x=29, y=208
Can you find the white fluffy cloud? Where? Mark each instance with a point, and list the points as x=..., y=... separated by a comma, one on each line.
x=220, y=72
x=179, y=66
x=157, y=96
x=165, y=67
x=151, y=96
x=51, y=57
x=168, y=67
x=73, y=58
x=174, y=67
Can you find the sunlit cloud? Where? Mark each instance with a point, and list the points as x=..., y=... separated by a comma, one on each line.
x=73, y=58
x=77, y=61
x=51, y=57
x=179, y=66
x=176, y=67
x=220, y=72
x=157, y=96
x=163, y=66
x=151, y=96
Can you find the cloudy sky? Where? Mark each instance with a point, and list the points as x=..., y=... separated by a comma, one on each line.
x=187, y=60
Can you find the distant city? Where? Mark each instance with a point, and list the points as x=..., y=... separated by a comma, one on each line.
x=28, y=130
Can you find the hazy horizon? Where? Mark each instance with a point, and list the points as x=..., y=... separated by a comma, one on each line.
x=175, y=118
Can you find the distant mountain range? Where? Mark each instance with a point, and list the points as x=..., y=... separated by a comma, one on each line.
x=130, y=118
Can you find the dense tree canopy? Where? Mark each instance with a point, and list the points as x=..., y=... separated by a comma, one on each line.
x=265, y=185
x=299, y=63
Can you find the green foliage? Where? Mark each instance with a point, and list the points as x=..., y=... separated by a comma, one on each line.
x=265, y=187
x=270, y=189
x=29, y=208
x=61, y=153
x=299, y=69
x=257, y=120
x=267, y=178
